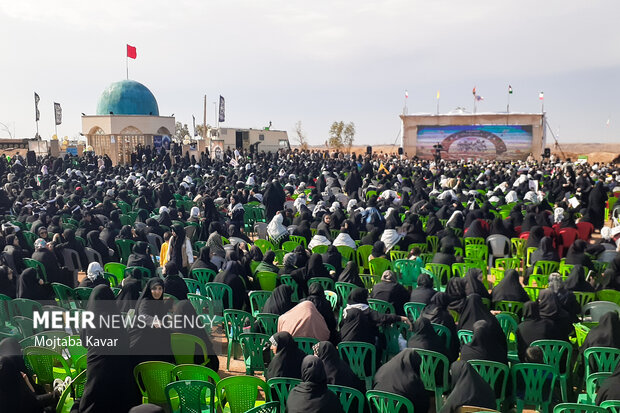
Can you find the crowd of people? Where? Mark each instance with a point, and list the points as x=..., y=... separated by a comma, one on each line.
x=50, y=207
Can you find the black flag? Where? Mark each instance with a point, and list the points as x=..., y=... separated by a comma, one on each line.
x=58, y=113
x=37, y=115
x=222, y=110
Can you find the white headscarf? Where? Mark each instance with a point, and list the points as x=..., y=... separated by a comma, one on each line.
x=390, y=238
x=163, y=209
x=194, y=212
x=275, y=229
x=344, y=240
x=94, y=271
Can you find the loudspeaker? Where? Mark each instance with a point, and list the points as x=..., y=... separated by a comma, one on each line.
x=547, y=153
x=400, y=151
x=369, y=150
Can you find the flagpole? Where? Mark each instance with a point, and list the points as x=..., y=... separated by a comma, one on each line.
x=217, y=119
x=437, y=103
x=127, y=65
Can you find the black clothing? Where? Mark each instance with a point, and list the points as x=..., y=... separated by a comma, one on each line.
x=312, y=394
x=288, y=358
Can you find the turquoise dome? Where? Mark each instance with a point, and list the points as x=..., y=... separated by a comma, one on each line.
x=127, y=97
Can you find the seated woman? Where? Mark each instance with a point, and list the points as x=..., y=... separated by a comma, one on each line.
x=94, y=276
x=337, y=370
x=388, y=289
x=333, y=258
x=312, y=394
x=378, y=251
x=424, y=291
x=532, y=328
x=472, y=282
x=468, y=389
x=17, y=393
x=401, y=375
x=545, y=252
x=424, y=337
x=184, y=308
x=576, y=280
x=316, y=295
x=279, y=302
x=140, y=257
x=483, y=345
x=437, y=312
x=321, y=238
x=351, y=274
x=576, y=254
x=509, y=289
x=267, y=263
x=288, y=357
x=304, y=320
x=445, y=256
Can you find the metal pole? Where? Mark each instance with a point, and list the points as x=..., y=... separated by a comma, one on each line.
x=127, y=66
x=217, y=119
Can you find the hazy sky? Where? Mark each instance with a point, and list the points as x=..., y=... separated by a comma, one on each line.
x=316, y=61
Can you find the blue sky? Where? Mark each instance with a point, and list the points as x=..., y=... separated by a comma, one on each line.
x=316, y=62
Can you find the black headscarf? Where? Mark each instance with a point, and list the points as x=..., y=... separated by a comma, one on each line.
x=576, y=254
x=378, y=249
x=279, y=302
x=175, y=286
x=7, y=287
x=333, y=257
x=316, y=267
x=532, y=328
x=28, y=286
x=605, y=334
x=473, y=284
x=312, y=394
x=337, y=370
x=288, y=358
x=15, y=396
x=126, y=299
x=545, y=252
x=551, y=309
x=476, y=230
x=351, y=274
x=424, y=291
x=576, y=280
x=483, y=345
x=536, y=235
x=184, y=308
x=468, y=389
x=401, y=375
x=509, y=289
x=424, y=337
x=176, y=245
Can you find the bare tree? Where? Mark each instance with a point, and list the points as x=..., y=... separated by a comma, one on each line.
x=349, y=135
x=301, y=136
x=7, y=129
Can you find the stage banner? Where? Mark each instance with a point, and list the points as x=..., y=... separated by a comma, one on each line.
x=499, y=142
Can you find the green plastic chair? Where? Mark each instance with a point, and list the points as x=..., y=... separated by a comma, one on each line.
x=443, y=332
x=289, y=246
x=369, y=281
x=24, y=307
x=288, y=280
x=474, y=241
x=194, y=286
x=326, y=283
x=593, y=384
x=409, y=271
x=545, y=267
x=268, y=322
x=190, y=396
x=117, y=269
x=264, y=245
x=533, y=385
x=306, y=344
x=234, y=323
x=320, y=249
x=465, y=336
x=75, y=350
x=42, y=362
x=348, y=253
x=378, y=265
x=253, y=346
x=299, y=240
x=343, y=290
x=351, y=399
x=384, y=402
x=427, y=257
x=528, y=256
x=612, y=406
x=459, y=269
x=124, y=247
x=434, y=374
x=271, y=407
x=432, y=244
x=398, y=255
x=24, y=325
x=258, y=300
x=584, y=298
x=533, y=292
x=578, y=408
x=517, y=248
x=509, y=326
x=612, y=296
x=194, y=372
x=267, y=280
x=71, y=393
x=152, y=378
x=30, y=263
x=280, y=389
x=514, y=307
x=240, y=393
x=381, y=306
x=203, y=275
x=64, y=296
x=477, y=252
x=361, y=254
x=145, y=273
x=600, y=359
x=508, y=263
x=45, y=335
x=441, y=274
x=184, y=348
x=356, y=353
x=420, y=245
x=496, y=375
x=557, y=353
x=413, y=310
x=332, y=297
x=581, y=332
x=220, y=295
x=82, y=294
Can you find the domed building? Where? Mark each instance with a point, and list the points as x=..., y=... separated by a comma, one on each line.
x=127, y=116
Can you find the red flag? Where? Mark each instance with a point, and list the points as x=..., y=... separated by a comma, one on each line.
x=131, y=52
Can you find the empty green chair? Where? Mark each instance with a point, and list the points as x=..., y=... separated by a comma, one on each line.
x=557, y=353
x=477, y=252
x=384, y=402
x=533, y=385
x=441, y=274
x=124, y=247
x=413, y=310
x=356, y=353
x=152, y=378
x=42, y=362
x=280, y=388
x=194, y=372
x=267, y=280
x=117, y=269
x=253, y=346
x=184, y=348
x=64, y=296
x=600, y=359
x=190, y=396
x=326, y=283
x=459, y=269
x=220, y=295
x=234, y=323
x=240, y=393
x=289, y=246
x=496, y=375
x=264, y=245
x=378, y=265
x=258, y=300
x=362, y=253
x=434, y=374
x=351, y=400
x=409, y=271
x=306, y=344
